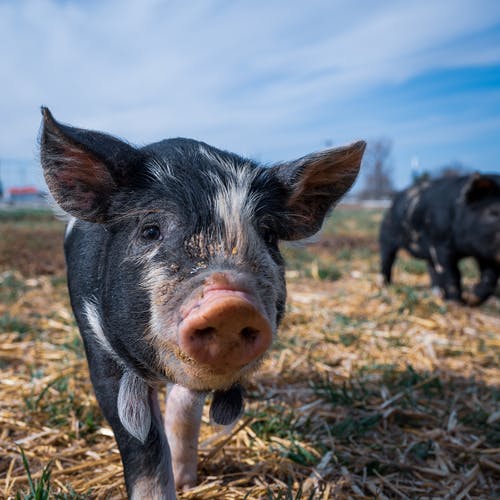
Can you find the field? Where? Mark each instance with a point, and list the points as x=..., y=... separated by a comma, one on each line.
x=371, y=392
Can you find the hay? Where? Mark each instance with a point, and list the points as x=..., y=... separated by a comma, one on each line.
x=369, y=393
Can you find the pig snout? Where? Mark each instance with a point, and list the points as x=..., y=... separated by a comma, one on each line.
x=224, y=329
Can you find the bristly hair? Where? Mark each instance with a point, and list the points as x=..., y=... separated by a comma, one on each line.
x=133, y=406
x=94, y=320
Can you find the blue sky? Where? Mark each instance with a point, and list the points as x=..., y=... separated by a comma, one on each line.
x=271, y=79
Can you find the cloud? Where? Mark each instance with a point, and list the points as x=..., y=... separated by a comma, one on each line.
x=256, y=77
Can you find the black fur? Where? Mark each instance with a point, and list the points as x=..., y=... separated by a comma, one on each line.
x=148, y=235
x=442, y=222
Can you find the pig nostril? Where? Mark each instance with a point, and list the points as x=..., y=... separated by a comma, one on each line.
x=249, y=334
x=204, y=332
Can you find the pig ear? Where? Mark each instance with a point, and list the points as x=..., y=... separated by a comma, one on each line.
x=479, y=187
x=314, y=184
x=83, y=169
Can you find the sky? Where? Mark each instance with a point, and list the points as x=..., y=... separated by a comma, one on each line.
x=272, y=80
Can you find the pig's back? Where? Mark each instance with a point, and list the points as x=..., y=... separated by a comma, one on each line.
x=430, y=209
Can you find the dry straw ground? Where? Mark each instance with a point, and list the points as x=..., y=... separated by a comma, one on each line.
x=369, y=393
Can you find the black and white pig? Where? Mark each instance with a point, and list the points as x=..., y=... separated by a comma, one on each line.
x=175, y=276
x=443, y=221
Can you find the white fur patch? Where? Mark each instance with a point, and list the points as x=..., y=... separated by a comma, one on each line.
x=158, y=169
x=235, y=206
x=233, y=202
x=69, y=226
x=133, y=406
x=213, y=157
x=437, y=266
x=95, y=323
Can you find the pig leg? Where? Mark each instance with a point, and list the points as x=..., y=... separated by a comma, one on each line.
x=182, y=425
x=388, y=253
x=485, y=287
x=435, y=281
x=146, y=459
x=446, y=272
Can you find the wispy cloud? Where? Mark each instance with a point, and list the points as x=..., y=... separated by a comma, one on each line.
x=268, y=78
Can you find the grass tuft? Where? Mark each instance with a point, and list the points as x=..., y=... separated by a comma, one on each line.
x=38, y=489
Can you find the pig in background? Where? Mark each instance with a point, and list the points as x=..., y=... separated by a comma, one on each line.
x=442, y=222
x=175, y=276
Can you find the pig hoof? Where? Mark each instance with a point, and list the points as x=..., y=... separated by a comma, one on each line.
x=185, y=484
x=471, y=299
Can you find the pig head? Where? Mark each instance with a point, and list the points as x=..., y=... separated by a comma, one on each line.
x=175, y=276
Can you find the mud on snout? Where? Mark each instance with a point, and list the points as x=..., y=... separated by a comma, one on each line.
x=213, y=332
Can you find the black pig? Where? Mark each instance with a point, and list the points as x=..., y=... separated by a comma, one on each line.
x=175, y=276
x=443, y=221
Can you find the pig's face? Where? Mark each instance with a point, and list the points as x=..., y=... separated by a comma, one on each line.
x=214, y=276
x=194, y=282
x=478, y=224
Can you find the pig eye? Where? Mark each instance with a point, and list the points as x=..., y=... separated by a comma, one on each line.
x=151, y=233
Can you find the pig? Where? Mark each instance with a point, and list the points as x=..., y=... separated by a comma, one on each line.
x=443, y=221
x=175, y=277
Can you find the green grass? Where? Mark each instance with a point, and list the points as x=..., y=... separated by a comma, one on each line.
x=346, y=220
x=351, y=231
x=296, y=453
x=353, y=393
x=9, y=323
x=422, y=450
x=25, y=219
x=281, y=422
x=20, y=215
x=468, y=269
x=33, y=402
x=478, y=419
x=11, y=287
x=412, y=266
x=287, y=493
x=353, y=427
x=75, y=344
x=308, y=264
x=409, y=297
x=38, y=489
x=273, y=421
x=360, y=252
x=359, y=394
x=59, y=403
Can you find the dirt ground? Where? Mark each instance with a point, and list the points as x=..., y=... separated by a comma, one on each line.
x=370, y=392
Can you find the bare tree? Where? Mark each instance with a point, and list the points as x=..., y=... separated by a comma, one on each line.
x=376, y=164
